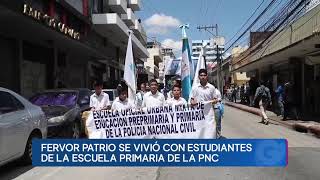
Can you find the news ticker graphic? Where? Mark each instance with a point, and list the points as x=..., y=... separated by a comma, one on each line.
x=160, y=152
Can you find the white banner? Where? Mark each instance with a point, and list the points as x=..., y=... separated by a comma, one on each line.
x=166, y=122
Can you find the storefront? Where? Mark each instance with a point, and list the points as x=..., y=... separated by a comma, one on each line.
x=44, y=45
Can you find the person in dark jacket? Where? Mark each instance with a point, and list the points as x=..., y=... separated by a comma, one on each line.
x=253, y=84
x=263, y=96
x=280, y=99
x=289, y=101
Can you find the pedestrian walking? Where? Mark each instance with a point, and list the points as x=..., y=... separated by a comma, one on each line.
x=247, y=93
x=289, y=101
x=234, y=94
x=204, y=91
x=280, y=94
x=263, y=96
x=253, y=84
x=176, y=99
x=99, y=100
x=242, y=94
x=170, y=93
x=154, y=97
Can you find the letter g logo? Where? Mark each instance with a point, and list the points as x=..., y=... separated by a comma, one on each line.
x=270, y=153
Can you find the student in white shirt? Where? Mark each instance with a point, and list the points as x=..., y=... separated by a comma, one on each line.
x=140, y=94
x=204, y=91
x=154, y=97
x=122, y=102
x=99, y=100
x=170, y=93
x=176, y=99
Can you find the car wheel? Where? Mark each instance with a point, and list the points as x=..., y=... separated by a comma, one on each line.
x=76, y=132
x=27, y=156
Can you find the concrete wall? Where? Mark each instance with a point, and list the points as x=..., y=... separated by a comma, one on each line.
x=9, y=78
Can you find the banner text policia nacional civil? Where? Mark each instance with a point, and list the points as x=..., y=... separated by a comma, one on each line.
x=181, y=121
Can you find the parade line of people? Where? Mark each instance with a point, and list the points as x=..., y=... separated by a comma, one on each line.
x=204, y=91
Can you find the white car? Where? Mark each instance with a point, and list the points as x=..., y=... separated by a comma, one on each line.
x=20, y=122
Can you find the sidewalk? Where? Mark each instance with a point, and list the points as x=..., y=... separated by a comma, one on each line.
x=298, y=125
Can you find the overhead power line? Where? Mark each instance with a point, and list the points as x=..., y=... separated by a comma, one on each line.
x=276, y=30
x=252, y=24
x=244, y=24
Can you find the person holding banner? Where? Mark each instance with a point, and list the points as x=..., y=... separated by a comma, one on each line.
x=99, y=100
x=122, y=102
x=203, y=91
x=176, y=99
x=154, y=97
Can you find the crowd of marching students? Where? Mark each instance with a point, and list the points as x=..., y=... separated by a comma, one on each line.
x=150, y=96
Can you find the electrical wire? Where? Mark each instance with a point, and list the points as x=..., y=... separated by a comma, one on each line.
x=277, y=30
x=252, y=24
x=244, y=24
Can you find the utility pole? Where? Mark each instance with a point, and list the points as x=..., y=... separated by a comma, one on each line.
x=211, y=29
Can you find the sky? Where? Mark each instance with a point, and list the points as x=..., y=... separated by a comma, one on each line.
x=161, y=18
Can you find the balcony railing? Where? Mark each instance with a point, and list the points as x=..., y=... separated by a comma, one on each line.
x=134, y=4
x=118, y=6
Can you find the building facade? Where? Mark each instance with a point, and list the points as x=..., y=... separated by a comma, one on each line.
x=167, y=54
x=67, y=43
x=155, y=58
x=291, y=55
x=210, y=51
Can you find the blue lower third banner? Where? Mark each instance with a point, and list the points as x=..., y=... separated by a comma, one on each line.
x=160, y=152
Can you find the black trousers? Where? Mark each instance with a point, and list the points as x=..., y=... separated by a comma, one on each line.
x=290, y=107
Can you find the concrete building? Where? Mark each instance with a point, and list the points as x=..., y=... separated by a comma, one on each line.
x=238, y=78
x=167, y=54
x=155, y=57
x=210, y=50
x=66, y=43
x=292, y=54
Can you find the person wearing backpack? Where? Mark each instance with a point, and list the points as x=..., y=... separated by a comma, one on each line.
x=263, y=96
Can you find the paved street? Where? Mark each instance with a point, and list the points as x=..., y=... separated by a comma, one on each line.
x=304, y=161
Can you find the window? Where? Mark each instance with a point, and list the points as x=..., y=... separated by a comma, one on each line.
x=55, y=99
x=9, y=103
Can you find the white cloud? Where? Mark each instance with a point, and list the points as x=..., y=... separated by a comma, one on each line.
x=161, y=23
x=157, y=30
x=162, y=20
x=170, y=43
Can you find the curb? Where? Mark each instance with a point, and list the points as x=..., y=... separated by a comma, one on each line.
x=315, y=129
x=300, y=127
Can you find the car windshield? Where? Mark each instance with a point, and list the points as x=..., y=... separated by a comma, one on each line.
x=55, y=99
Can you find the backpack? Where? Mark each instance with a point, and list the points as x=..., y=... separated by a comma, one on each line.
x=263, y=94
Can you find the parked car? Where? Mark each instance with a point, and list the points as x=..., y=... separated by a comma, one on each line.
x=20, y=122
x=63, y=109
x=113, y=93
